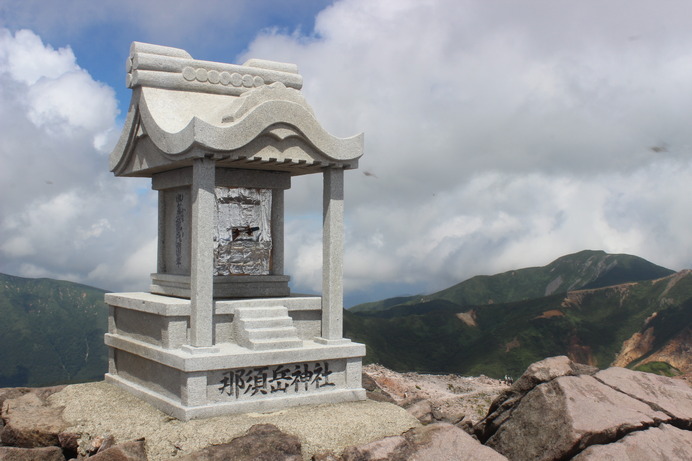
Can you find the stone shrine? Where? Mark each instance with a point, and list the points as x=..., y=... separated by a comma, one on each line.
x=219, y=331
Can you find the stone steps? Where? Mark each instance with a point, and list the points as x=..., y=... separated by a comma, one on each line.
x=265, y=328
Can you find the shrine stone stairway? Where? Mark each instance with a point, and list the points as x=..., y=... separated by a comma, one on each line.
x=265, y=328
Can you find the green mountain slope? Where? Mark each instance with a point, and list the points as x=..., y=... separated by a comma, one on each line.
x=586, y=269
x=590, y=326
x=51, y=332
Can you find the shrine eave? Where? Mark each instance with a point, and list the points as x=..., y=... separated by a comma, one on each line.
x=250, y=116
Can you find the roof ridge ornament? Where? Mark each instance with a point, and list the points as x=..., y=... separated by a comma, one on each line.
x=174, y=69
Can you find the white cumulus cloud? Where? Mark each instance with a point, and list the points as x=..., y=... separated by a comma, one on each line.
x=62, y=214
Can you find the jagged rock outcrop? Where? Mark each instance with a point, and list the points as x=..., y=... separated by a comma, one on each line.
x=537, y=373
x=559, y=410
x=453, y=399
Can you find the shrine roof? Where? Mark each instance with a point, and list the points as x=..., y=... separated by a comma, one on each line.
x=244, y=116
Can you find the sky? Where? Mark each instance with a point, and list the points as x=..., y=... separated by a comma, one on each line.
x=498, y=134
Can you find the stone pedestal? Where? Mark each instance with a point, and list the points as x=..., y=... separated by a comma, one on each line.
x=281, y=366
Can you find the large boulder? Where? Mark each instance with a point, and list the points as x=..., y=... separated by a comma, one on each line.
x=537, y=373
x=560, y=418
x=558, y=410
x=262, y=442
x=438, y=441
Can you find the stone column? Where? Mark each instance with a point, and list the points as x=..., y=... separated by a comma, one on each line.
x=332, y=254
x=161, y=253
x=202, y=254
x=277, y=230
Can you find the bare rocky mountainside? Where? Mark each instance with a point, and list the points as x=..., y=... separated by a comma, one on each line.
x=557, y=410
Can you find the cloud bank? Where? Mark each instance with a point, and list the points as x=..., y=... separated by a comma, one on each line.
x=62, y=214
x=498, y=135
x=502, y=134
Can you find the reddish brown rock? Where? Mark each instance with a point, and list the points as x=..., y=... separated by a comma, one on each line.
x=558, y=419
x=31, y=454
x=654, y=444
x=374, y=391
x=262, y=442
x=30, y=423
x=438, y=441
x=134, y=450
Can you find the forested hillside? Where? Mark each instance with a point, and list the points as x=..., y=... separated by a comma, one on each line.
x=51, y=332
x=441, y=333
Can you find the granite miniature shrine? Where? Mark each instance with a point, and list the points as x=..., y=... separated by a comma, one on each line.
x=219, y=332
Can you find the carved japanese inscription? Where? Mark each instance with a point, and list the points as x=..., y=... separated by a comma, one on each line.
x=176, y=240
x=244, y=383
x=180, y=215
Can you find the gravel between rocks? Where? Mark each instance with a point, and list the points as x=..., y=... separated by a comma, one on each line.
x=100, y=409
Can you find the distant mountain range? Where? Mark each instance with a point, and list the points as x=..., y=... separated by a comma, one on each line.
x=583, y=270
x=597, y=308
x=585, y=305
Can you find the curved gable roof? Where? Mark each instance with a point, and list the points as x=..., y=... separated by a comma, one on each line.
x=249, y=116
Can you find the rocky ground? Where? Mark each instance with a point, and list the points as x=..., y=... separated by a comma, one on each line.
x=557, y=410
x=450, y=398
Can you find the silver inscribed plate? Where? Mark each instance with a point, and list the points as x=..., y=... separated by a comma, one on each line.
x=242, y=235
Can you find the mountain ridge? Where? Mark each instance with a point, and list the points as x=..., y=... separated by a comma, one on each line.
x=584, y=269
x=590, y=325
